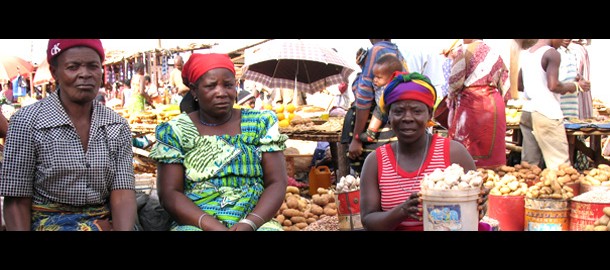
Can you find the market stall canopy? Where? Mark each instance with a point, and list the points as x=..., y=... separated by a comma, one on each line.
x=12, y=66
x=43, y=74
x=114, y=56
x=295, y=64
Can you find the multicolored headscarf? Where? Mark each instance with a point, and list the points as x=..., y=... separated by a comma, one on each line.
x=408, y=86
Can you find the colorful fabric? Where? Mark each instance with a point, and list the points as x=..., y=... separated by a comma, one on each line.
x=56, y=46
x=137, y=102
x=479, y=123
x=198, y=64
x=59, y=217
x=20, y=87
x=476, y=64
x=477, y=118
x=408, y=86
x=223, y=174
x=396, y=185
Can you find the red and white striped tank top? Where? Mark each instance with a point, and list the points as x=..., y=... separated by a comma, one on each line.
x=397, y=185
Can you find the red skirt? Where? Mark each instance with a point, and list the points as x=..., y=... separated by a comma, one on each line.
x=477, y=119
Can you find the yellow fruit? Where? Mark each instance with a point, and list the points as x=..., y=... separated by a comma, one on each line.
x=284, y=123
x=279, y=109
x=290, y=116
x=268, y=107
x=281, y=116
x=290, y=108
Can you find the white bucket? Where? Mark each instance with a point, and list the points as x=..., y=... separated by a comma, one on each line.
x=450, y=210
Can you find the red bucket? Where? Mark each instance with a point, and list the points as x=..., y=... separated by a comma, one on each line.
x=509, y=211
x=348, y=210
x=583, y=214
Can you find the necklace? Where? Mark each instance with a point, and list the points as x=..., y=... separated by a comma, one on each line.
x=215, y=125
x=422, y=160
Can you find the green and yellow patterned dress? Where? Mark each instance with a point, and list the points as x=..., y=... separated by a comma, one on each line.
x=224, y=174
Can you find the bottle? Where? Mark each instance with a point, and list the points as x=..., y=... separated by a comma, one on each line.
x=167, y=97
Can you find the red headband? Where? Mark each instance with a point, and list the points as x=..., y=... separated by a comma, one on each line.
x=57, y=46
x=198, y=64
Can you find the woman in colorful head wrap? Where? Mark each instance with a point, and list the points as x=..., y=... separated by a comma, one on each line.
x=391, y=175
x=219, y=168
x=68, y=158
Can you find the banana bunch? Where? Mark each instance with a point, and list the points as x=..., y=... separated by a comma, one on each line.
x=167, y=112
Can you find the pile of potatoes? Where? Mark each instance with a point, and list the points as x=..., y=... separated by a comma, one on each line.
x=601, y=224
x=297, y=212
x=523, y=172
x=599, y=176
x=508, y=185
x=552, y=184
x=510, y=181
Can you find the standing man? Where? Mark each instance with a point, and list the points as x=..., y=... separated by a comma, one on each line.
x=367, y=95
x=175, y=77
x=539, y=79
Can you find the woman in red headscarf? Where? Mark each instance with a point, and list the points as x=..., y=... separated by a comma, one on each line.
x=392, y=174
x=219, y=168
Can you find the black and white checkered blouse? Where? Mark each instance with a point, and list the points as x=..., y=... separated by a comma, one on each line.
x=44, y=158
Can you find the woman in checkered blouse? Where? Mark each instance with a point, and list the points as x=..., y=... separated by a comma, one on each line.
x=68, y=158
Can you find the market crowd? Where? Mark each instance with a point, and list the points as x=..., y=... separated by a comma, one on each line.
x=67, y=162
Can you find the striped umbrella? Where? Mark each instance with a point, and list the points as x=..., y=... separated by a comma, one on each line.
x=295, y=64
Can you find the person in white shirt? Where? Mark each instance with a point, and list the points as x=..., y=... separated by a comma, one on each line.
x=539, y=79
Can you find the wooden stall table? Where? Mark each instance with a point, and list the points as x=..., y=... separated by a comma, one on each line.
x=328, y=132
x=594, y=150
x=515, y=133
